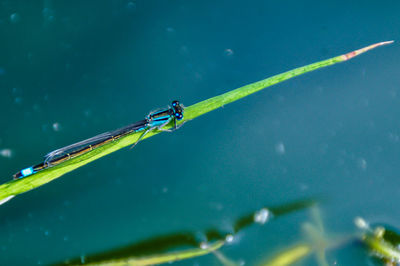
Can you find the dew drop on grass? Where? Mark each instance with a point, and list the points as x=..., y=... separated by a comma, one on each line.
x=262, y=216
x=229, y=238
x=204, y=245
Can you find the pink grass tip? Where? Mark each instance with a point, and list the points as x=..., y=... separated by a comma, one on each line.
x=363, y=50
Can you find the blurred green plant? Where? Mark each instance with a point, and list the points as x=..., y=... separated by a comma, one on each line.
x=12, y=188
x=186, y=245
x=316, y=242
x=382, y=241
x=290, y=255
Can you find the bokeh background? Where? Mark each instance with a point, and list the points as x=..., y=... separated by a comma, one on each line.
x=72, y=69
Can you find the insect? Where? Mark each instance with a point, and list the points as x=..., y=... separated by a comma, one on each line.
x=156, y=120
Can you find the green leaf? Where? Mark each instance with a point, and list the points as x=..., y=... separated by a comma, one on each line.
x=15, y=187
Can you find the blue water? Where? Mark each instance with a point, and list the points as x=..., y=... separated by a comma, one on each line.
x=72, y=69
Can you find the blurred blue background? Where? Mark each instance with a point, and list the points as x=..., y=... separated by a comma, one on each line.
x=72, y=69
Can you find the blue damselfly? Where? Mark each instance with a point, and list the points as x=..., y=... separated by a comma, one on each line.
x=156, y=120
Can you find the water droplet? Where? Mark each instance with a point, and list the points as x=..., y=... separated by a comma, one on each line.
x=303, y=187
x=131, y=6
x=14, y=17
x=393, y=93
x=184, y=50
x=56, y=126
x=204, y=245
x=48, y=14
x=228, y=52
x=379, y=232
x=361, y=223
x=36, y=107
x=7, y=153
x=170, y=30
x=262, y=216
x=87, y=113
x=18, y=100
x=242, y=262
x=394, y=137
x=229, y=238
x=280, y=148
x=362, y=163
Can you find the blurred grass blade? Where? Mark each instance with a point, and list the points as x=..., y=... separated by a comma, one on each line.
x=155, y=250
x=163, y=248
x=289, y=256
x=271, y=212
x=224, y=260
x=161, y=258
x=383, y=241
x=15, y=187
x=381, y=248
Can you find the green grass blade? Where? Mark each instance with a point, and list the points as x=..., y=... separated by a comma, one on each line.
x=289, y=255
x=164, y=258
x=154, y=259
x=13, y=188
x=181, y=245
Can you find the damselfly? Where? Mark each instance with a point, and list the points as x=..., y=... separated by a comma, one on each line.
x=155, y=120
